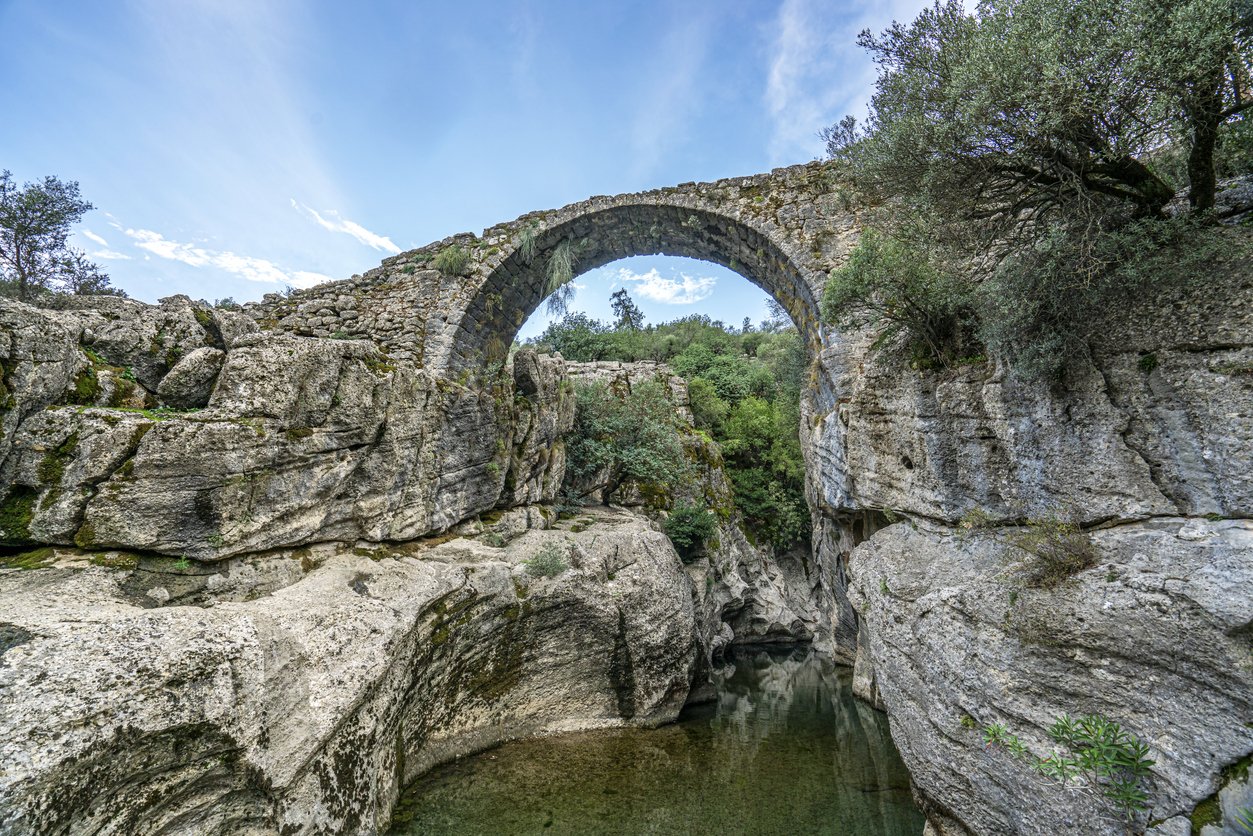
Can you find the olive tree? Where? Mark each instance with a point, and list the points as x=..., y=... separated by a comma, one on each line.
x=1018, y=146
x=35, y=225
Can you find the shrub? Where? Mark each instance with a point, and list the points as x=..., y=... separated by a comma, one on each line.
x=1042, y=306
x=894, y=287
x=1115, y=761
x=634, y=436
x=688, y=527
x=548, y=562
x=494, y=539
x=452, y=261
x=1060, y=549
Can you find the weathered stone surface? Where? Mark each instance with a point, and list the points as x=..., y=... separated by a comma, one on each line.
x=543, y=413
x=1159, y=421
x=304, y=711
x=1154, y=636
x=190, y=383
x=40, y=359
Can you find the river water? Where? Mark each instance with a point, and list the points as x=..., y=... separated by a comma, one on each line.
x=784, y=749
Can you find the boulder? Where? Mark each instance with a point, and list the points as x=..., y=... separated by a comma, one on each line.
x=1154, y=635
x=304, y=707
x=189, y=384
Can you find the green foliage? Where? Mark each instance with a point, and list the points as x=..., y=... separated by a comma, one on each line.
x=35, y=225
x=494, y=539
x=688, y=527
x=1114, y=760
x=1243, y=821
x=890, y=285
x=1041, y=307
x=1034, y=143
x=558, y=274
x=1025, y=108
x=548, y=562
x=453, y=260
x=527, y=241
x=628, y=436
x=744, y=389
x=627, y=313
x=577, y=337
x=709, y=411
x=1060, y=549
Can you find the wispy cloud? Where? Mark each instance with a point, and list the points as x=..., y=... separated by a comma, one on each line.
x=104, y=252
x=334, y=223
x=817, y=72
x=685, y=291
x=250, y=268
x=671, y=90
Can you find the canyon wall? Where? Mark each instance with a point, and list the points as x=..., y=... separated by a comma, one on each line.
x=931, y=487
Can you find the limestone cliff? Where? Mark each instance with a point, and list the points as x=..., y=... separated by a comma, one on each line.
x=1147, y=446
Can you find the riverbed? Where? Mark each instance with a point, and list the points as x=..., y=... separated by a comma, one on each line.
x=784, y=748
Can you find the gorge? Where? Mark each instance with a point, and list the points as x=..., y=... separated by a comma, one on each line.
x=267, y=567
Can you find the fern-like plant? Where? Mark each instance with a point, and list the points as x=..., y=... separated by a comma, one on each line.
x=559, y=272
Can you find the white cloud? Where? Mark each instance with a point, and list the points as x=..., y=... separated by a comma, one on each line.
x=686, y=291
x=252, y=269
x=818, y=73
x=304, y=278
x=334, y=223
x=104, y=253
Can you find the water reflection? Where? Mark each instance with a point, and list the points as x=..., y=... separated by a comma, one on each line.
x=784, y=749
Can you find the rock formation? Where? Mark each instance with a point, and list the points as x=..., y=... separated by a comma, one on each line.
x=280, y=557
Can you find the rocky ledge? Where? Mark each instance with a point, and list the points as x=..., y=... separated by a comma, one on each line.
x=1156, y=635
x=303, y=704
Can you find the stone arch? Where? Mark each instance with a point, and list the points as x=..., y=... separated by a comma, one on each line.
x=516, y=287
x=783, y=230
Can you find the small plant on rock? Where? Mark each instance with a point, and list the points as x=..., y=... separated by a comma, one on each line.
x=452, y=261
x=548, y=562
x=494, y=539
x=1116, y=762
x=688, y=527
x=1061, y=549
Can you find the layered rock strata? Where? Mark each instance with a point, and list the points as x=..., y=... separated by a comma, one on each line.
x=304, y=708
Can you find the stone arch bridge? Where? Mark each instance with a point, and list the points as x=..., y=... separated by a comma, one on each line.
x=783, y=231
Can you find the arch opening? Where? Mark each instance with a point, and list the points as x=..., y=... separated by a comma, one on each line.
x=516, y=288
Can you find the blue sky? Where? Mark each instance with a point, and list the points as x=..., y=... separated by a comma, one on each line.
x=235, y=146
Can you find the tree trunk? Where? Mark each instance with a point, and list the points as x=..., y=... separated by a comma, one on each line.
x=1204, y=110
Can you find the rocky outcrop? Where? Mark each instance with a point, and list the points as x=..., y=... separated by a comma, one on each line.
x=1155, y=635
x=1146, y=444
x=543, y=413
x=298, y=441
x=189, y=384
x=751, y=595
x=1156, y=422
x=302, y=708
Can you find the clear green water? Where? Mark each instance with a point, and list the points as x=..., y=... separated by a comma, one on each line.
x=785, y=749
